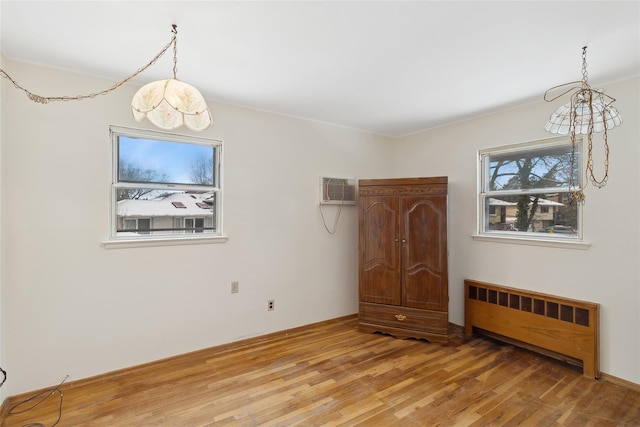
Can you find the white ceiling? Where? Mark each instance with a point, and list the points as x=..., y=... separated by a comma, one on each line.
x=387, y=67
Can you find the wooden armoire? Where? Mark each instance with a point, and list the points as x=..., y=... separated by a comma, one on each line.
x=403, y=276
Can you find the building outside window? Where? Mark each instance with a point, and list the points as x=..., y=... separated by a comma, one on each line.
x=164, y=186
x=526, y=190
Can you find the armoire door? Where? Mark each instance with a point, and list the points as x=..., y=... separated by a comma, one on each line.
x=379, y=250
x=424, y=254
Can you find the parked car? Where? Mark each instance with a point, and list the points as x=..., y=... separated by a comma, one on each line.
x=562, y=229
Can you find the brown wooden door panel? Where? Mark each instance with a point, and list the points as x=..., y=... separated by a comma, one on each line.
x=379, y=250
x=424, y=290
x=424, y=269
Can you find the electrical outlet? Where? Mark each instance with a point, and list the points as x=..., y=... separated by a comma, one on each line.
x=271, y=305
x=235, y=287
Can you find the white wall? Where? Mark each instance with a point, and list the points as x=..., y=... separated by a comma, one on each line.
x=3, y=390
x=606, y=273
x=74, y=307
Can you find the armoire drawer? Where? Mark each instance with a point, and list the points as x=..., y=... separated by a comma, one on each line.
x=404, y=317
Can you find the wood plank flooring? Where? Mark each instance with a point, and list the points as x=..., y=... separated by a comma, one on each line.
x=329, y=374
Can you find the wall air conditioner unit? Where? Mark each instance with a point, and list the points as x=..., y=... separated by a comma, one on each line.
x=337, y=191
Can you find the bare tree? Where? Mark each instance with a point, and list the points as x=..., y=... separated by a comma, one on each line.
x=202, y=170
x=523, y=175
x=129, y=173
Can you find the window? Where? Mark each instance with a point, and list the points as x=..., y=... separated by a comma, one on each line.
x=164, y=186
x=525, y=191
x=140, y=225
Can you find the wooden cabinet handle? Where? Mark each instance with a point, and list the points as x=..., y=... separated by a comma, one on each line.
x=400, y=317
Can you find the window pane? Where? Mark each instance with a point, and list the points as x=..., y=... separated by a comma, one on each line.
x=548, y=213
x=542, y=167
x=164, y=212
x=147, y=160
x=199, y=225
x=144, y=225
x=164, y=185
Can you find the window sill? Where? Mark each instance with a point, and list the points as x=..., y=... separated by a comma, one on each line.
x=518, y=240
x=172, y=241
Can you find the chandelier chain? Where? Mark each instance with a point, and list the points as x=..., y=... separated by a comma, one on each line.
x=175, y=50
x=581, y=97
x=595, y=181
x=46, y=99
x=585, y=85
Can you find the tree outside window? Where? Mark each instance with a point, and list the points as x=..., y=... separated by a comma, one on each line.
x=526, y=190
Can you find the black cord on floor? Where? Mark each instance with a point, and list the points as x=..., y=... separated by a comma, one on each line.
x=13, y=411
x=4, y=376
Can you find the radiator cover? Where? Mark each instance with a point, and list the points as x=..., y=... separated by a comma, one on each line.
x=538, y=321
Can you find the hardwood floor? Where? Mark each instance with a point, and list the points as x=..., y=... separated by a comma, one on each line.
x=330, y=374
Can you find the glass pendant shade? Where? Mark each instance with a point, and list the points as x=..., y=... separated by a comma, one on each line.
x=169, y=104
x=587, y=107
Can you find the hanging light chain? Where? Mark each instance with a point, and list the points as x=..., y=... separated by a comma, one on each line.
x=578, y=194
x=585, y=85
x=581, y=97
x=576, y=190
x=46, y=99
x=595, y=181
x=588, y=93
x=174, y=40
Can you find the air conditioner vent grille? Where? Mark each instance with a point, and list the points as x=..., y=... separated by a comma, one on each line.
x=336, y=191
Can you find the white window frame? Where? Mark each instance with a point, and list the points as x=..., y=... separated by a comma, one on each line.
x=527, y=238
x=170, y=238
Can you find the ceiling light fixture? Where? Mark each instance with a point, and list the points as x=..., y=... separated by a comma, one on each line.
x=589, y=111
x=171, y=103
x=168, y=104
